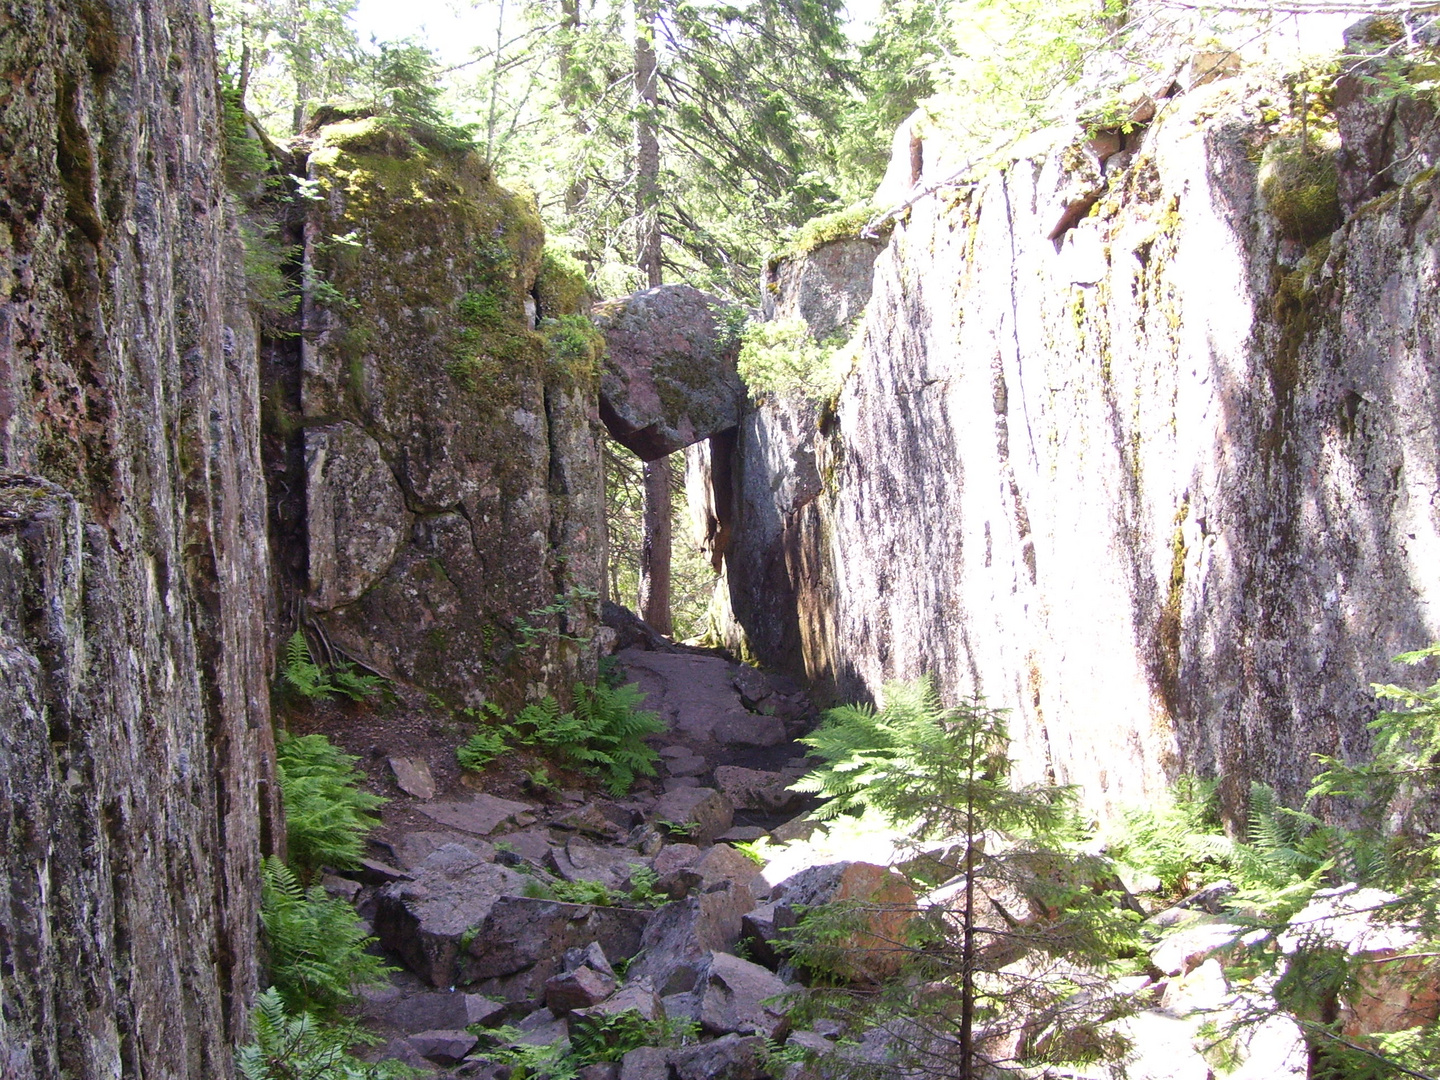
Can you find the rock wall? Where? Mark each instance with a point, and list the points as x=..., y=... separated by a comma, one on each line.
x=1126, y=458
x=450, y=425
x=134, y=716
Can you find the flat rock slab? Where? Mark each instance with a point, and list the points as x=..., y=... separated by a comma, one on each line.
x=738, y=727
x=691, y=692
x=443, y=1047
x=414, y=848
x=754, y=789
x=413, y=777
x=480, y=814
x=705, y=810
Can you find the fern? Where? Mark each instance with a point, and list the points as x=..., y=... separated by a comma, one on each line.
x=310, y=680
x=1178, y=839
x=304, y=1047
x=327, y=816
x=480, y=749
x=316, y=944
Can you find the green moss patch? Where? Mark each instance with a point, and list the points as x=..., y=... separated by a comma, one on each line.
x=1300, y=188
x=817, y=232
x=562, y=287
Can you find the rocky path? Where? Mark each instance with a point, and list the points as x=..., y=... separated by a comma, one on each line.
x=480, y=898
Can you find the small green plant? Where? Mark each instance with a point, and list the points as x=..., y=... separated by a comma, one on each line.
x=595, y=893
x=642, y=886
x=782, y=357
x=315, y=945
x=592, y=1041
x=300, y=1046
x=327, y=815
x=574, y=346
x=310, y=680
x=533, y=626
x=481, y=748
x=481, y=310
x=757, y=851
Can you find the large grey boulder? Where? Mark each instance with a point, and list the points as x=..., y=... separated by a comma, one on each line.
x=705, y=811
x=731, y=1057
x=740, y=997
x=680, y=934
x=669, y=378
x=426, y=920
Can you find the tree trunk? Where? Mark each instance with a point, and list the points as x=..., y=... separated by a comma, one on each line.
x=655, y=547
x=647, y=148
x=579, y=187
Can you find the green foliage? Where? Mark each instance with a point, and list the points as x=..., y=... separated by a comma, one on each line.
x=603, y=734
x=481, y=309
x=310, y=680
x=817, y=232
x=315, y=945
x=327, y=816
x=300, y=1046
x=574, y=346
x=1300, y=186
x=535, y=625
x=592, y=1041
x=781, y=357
x=1177, y=838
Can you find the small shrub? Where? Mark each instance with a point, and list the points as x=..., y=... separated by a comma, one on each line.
x=573, y=346
x=781, y=357
x=480, y=749
x=1300, y=187
x=301, y=1046
x=327, y=816
x=316, y=945
x=481, y=310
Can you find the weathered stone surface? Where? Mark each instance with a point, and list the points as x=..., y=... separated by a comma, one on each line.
x=705, y=810
x=754, y=789
x=669, y=377
x=740, y=727
x=635, y=997
x=426, y=920
x=521, y=942
x=646, y=1063
x=1188, y=948
x=443, y=1047
x=580, y=860
x=413, y=777
x=480, y=814
x=739, y=996
x=888, y=902
x=764, y=927
x=414, y=848
x=1176, y=468
x=731, y=1057
x=681, y=933
x=453, y=456
x=355, y=514
x=592, y=956
x=134, y=705
x=577, y=989
x=827, y=287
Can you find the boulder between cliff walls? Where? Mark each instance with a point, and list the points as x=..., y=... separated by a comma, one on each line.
x=669, y=378
x=451, y=444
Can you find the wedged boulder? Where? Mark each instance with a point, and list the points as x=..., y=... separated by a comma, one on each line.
x=730, y=1057
x=669, y=379
x=636, y=997
x=522, y=942
x=414, y=848
x=764, y=928
x=704, y=810
x=721, y=863
x=876, y=952
x=433, y=1010
x=425, y=920
x=739, y=997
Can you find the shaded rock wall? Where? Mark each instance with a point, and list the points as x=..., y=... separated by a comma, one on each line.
x=134, y=716
x=1164, y=488
x=451, y=455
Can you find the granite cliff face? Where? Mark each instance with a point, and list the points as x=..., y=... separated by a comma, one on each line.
x=447, y=409
x=135, y=761
x=1125, y=454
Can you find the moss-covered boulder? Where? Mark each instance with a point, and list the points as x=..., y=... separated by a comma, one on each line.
x=1300, y=187
x=451, y=429
x=669, y=376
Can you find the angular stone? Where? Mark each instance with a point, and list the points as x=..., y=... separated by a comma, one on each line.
x=723, y=863
x=683, y=767
x=674, y=857
x=1186, y=949
x=753, y=789
x=522, y=942
x=753, y=686
x=583, y=861
x=578, y=989
x=635, y=997
x=764, y=928
x=355, y=514
x=413, y=777
x=681, y=933
x=436, y=1009
x=426, y=920
x=444, y=1047
x=415, y=847
x=739, y=997
x=590, y=820
x=889, y=903
x=704, y=809
x=731, y=1057
x=601, y=1070
x=741, y=728
x=646, y=1063
x=592, y=956
x=480, y=814
x=669, y=378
